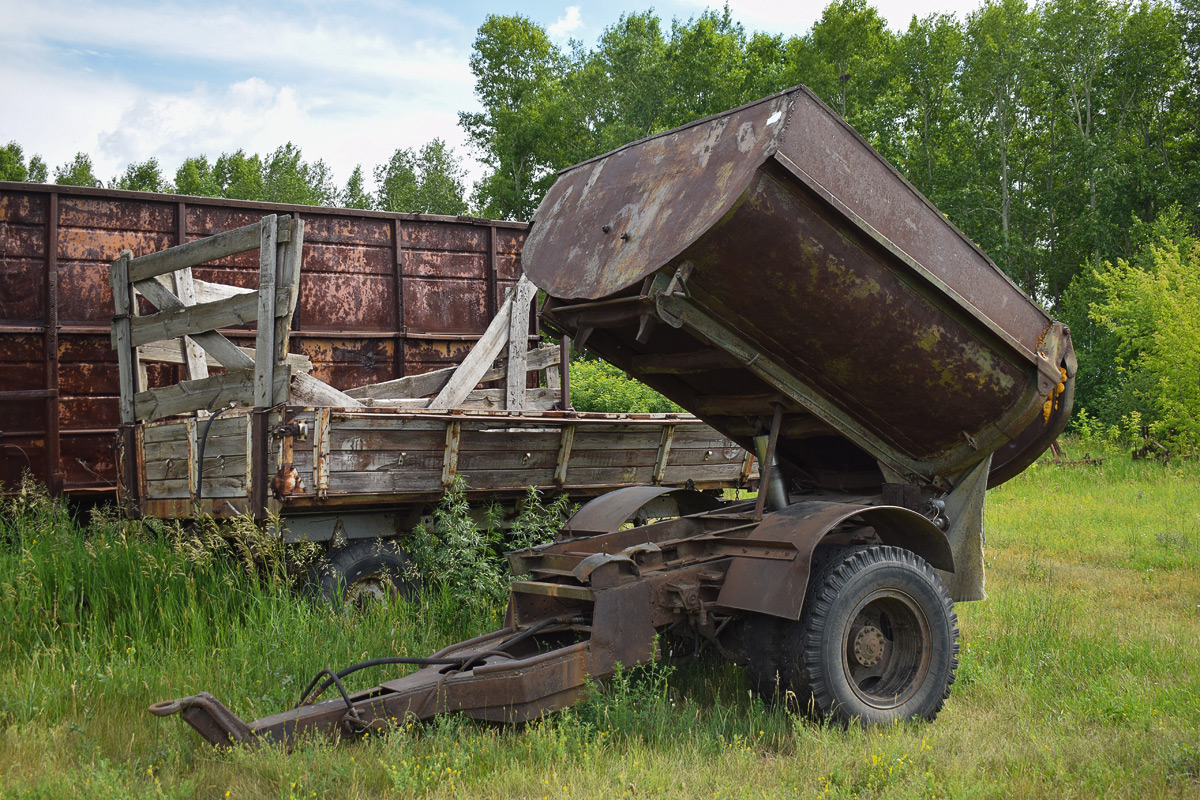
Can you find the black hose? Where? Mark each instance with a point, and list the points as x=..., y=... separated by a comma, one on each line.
x=309, y=695
x=312, y=691
x=200, y=450
x=335, y=678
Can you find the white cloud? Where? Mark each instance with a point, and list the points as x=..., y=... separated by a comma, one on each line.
x=183, y=83
x=570, y=21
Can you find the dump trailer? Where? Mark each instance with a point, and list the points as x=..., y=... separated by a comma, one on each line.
x=773, y=274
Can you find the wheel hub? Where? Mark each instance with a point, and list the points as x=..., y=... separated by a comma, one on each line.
x=868, y=645
x=369, y=589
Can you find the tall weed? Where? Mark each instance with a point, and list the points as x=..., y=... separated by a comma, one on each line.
x=463, y=552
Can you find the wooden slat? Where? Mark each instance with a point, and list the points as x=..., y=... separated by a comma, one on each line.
x=224, y=351
x=450, y=461
x=469, y=462
x=427, y=383
x=180, y=467
x=169, y=353
x=664, y=452
x=701, y=473
x=207, y=393
x=290, y=256
x=211, y=487
x=309, y=391
x=199, y=252
x=471, y=370
x=227, y=447
x=518, y=346
x=206, y=291
x=264, y=363
x=563, y=460
x=195, y=319
x=321, y=441
x=190, y=456
x=228, y=424
x=478, y=399
x=185, y=290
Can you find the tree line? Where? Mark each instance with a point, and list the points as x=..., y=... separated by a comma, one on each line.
x=429, y=180
x=1063, y=137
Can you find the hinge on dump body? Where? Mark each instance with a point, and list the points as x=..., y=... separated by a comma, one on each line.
x=675, y=287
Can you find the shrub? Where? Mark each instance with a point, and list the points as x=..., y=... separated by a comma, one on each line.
x=1149, y=305
x=462, y=552
x=599, y=386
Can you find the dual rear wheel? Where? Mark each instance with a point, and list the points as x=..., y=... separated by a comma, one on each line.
x=877, y=640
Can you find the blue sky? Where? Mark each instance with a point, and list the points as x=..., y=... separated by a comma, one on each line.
x=347, y=82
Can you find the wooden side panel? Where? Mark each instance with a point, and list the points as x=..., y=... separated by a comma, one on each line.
x=405, y=455
x=167, y=453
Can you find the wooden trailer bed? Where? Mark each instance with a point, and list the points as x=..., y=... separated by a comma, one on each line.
x=260, y=435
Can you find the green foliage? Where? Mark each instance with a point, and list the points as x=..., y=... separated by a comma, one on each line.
x=77, y=172
x=516, y=69
x=599, y=386
x=13, y=167
x=355, y=194
x=461, y=549
x=1149, y=306
x=142, y=177
x=427, y=182
x=196, y=177
x=288, y=178
x=239, y=176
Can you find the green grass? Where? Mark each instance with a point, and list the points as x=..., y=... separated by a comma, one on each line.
x=1080, y=674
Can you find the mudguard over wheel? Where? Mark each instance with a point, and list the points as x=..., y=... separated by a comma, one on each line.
x=366, y=570
x=877, y=640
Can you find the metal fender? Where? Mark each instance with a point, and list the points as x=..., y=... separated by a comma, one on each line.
x=777, y=586
x=610, y=511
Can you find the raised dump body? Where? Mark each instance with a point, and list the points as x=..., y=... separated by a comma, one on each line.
x=770, y=272
x=770, y=256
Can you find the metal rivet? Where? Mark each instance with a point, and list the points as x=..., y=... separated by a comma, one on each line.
x=606, y=228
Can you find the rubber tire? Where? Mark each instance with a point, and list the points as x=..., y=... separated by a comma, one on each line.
x=365, y=568
x=851, y=585
x=762, y=641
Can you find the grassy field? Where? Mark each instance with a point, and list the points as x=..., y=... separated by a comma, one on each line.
x=1080, y=675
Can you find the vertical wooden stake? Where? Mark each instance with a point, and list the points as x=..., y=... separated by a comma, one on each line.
x=123, y=305
x=290, y=255
x=518, y=344
x=664, y=453
x=264, y=348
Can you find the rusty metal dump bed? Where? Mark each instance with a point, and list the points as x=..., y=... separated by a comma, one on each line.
x=770, y=256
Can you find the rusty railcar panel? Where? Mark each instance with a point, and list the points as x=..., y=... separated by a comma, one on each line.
x=768, y=256
x=382, y=296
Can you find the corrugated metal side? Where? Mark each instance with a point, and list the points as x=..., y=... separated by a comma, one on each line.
x=382, y=296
